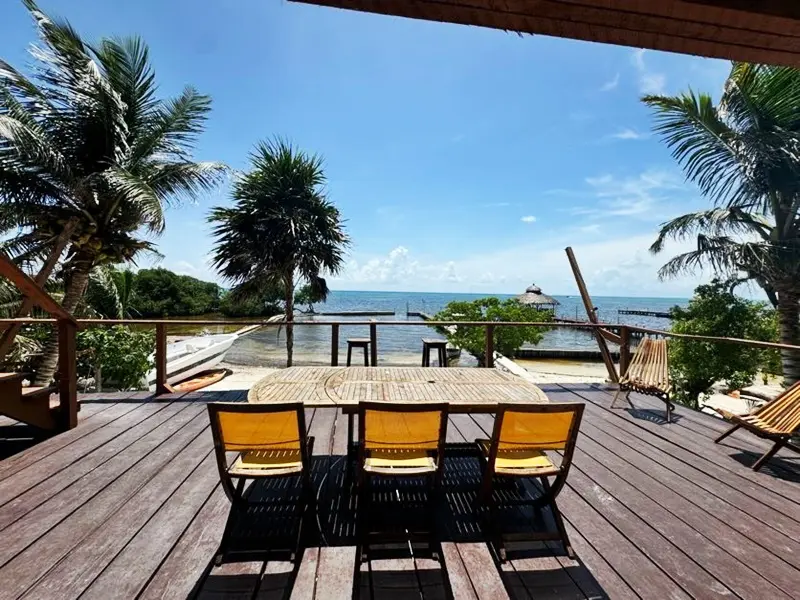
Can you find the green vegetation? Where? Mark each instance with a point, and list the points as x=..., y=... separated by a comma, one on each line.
x=695, y=366
x=89, y=148
x=742, y=155
x=281, y=230
x=117, y=357
x=507, y=340
x=162, y=293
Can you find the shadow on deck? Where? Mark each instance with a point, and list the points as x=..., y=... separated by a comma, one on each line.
x=128, y=505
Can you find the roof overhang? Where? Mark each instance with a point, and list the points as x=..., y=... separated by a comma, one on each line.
x=763, y=31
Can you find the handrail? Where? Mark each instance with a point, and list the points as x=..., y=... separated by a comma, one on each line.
x=711, y=338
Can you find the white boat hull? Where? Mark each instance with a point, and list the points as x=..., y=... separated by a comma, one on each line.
x=189, y=357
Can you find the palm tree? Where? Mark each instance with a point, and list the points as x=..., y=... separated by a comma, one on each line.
x=744, y=155
x=85, y=143
x=281, y=230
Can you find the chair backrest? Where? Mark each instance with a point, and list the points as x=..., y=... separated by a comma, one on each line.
x=385, y=426
x=242, y=427
x=783, y=413
x=650, y=365
x=552, y=426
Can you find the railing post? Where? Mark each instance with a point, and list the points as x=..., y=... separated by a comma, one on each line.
x=67, y=374
x=161, y=360
x=335, y=345
x=624, y=350
x=489, y=360
x=373, y=343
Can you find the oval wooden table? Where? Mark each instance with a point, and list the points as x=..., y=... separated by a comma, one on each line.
x=467, y=390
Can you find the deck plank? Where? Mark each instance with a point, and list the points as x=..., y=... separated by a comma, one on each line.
x=651, y=511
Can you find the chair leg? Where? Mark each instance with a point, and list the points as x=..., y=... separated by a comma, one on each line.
x=562, y=530
x=769, y=454
x=424, y=354
x=366, y=356
x=726, y=434
x=617, y=394
x=442, y=357
x=349, y=354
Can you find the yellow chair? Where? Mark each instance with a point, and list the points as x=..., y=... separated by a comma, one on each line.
x=522, y=436
x=399, y=440
x=270, y=441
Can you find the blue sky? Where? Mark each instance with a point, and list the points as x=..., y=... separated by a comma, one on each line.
x=463, y=159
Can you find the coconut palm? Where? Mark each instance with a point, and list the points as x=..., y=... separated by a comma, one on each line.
x=744, y=155
x=85, y=143
x=281, y=230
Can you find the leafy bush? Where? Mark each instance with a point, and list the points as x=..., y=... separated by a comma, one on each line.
x=714, y=310
x=118, y=355
x=162, y=293
x=507, y=340
x=231, y=306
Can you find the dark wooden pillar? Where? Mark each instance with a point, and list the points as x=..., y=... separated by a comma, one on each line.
x=373, y=343
x=67, y=374
x=335, y=345
x=161, y=360
x=624, y=350
x=489, y=351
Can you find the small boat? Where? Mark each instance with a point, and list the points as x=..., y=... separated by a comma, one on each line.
x=193, y=355
x=202, y=380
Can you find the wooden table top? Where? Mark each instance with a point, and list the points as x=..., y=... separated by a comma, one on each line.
x=466, y=389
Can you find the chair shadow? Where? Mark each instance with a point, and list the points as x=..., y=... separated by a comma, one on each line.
x=16, y=438
x=653, y=415
x=396, y=569
x=780, y=467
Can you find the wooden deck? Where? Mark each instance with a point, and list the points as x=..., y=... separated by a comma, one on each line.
x=128, y=505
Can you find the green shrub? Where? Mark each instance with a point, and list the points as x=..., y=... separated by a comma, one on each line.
x=117, y=356
x=695, y=366
x=507, y=340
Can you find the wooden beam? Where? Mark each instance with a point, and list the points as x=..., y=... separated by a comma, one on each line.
x=609, y=336
x=162, y=387
x=373, y=343
x=624, y=350
x=29, y=288
x=335, y=345
x=592, y=315
x=67, y=374
x=489, y=350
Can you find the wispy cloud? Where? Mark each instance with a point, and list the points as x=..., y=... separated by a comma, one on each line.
x=641, y=197
x=628, y=134
x=650, y=82
x=611, y=84
x=528, y=219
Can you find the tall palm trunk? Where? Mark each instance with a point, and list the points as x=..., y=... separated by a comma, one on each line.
x=76, y=287
x=789, y=324
x=288, y=284
x=7, y=339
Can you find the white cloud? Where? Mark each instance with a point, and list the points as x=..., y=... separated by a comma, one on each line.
x=528, y=219
x=643, y=197
x=650, y=82
x=611, y=84
x=628, y=134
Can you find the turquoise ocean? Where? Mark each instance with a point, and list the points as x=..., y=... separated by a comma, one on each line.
x=401, y=345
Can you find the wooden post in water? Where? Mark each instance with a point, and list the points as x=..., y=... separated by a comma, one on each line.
x=162, y=387
x=489, y=350
x=373, y=343
x=335, y=345
x=624, y=350
x=67, y=374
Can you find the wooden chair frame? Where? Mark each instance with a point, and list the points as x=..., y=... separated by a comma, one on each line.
x=551, y=490
x=634, y=383
x=236, y=493
x=364, y=478
x=781, y=440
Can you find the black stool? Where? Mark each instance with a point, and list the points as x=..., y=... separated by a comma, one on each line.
x=439, y=345
x=358, y=343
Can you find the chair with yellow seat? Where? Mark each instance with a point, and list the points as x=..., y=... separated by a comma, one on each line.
x=522, y=437
x=270, y=442
x=399, y=440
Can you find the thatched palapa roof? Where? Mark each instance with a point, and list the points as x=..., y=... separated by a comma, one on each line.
x=766, y=31
x=533, y=295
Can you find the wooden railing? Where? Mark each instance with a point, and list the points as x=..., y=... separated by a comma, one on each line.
x=67, y=328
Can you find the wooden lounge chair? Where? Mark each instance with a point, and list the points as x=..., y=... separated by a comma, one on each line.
x=777, y=420
x=522, y=435
x=271, y=442
x=395, y=441
x=648, y=374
